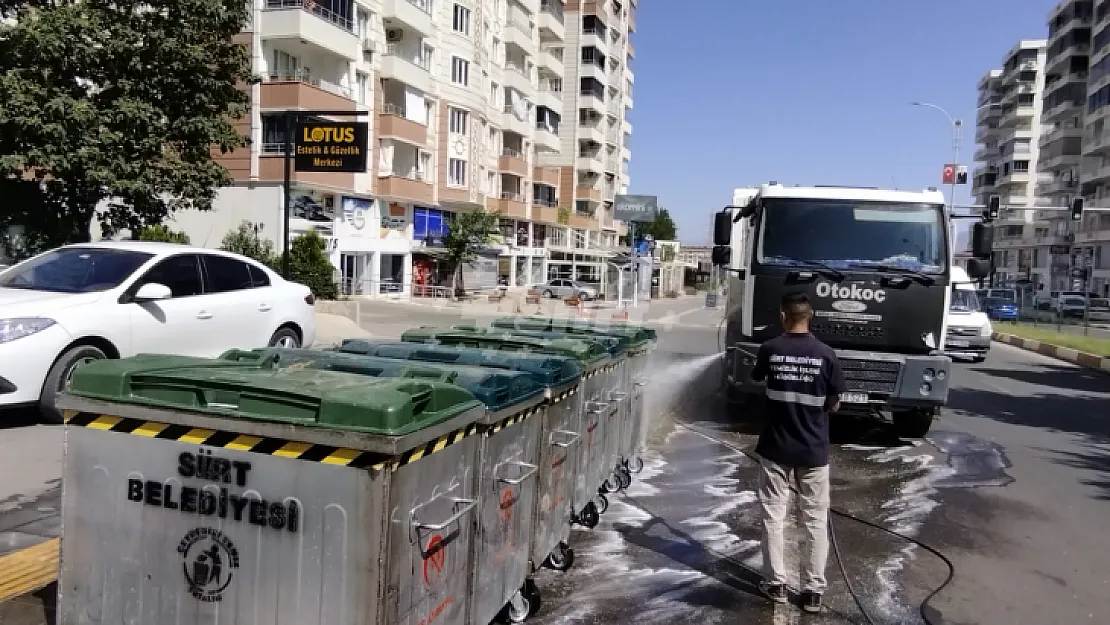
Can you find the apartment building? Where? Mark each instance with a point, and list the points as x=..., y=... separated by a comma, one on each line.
x=465, y=103
x=1008, y=131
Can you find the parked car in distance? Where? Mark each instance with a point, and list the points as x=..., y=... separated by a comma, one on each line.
x=1099, y=309
x=999, y=309
x=568, y=288
x=85, y=302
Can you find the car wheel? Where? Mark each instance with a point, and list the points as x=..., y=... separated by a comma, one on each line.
x=285, y=338
x=584, y=296
x=548, y=294
x=59, y=377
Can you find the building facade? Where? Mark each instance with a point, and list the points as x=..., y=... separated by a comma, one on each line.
x=1050, y=249
x=466, y=105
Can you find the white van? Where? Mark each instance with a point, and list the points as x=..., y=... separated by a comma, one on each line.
x=969, y=328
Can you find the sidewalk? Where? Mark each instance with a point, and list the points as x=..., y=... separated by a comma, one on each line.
x=1067, y=354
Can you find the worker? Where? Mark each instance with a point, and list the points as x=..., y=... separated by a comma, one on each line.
x=803, y=385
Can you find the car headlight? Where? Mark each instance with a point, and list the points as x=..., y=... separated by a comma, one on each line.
x=19, y=327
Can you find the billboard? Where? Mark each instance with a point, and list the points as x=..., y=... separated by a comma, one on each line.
x=641, y=208
x=331, y=147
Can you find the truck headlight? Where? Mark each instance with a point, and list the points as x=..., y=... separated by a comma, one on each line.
x=987, y=330
x=19, y=327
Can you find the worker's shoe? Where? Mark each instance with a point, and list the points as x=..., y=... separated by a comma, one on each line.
x=774, y=592
x=811, y=602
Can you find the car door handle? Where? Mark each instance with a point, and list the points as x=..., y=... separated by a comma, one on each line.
x=204, y=314
x=265, y=308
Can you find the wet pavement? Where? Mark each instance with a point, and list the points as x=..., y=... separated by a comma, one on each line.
x=1012, y=484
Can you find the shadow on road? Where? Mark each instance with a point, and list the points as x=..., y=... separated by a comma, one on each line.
x=1095, y=460
x=1077, y=414
x=1056, y=376
x=19, y=417
x=37, y=608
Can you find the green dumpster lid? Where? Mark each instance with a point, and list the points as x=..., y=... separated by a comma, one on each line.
x=615, y=345
x=588, y=353
x=632, y=336
x=259, y=391
x=549, y=370
x=498, y=389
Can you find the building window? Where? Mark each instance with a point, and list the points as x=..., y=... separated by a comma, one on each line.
x=460, y=71
x=458, y=121
x=456, y=172
x=460, y=21
x=363, y=80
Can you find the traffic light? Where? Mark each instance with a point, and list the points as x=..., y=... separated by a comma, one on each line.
x=1077, y=209
x=994, y=203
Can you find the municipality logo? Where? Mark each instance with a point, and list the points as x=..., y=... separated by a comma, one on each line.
x=209, y=561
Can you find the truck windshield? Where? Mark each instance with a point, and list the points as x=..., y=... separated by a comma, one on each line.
x=964, y=300
x=846, y=234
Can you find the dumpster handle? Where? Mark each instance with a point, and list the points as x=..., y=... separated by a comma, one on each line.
x=619, y=396
x=574, y=436
x=530, y=470
x=641, y=382
x=603, y=404
x=435, y=527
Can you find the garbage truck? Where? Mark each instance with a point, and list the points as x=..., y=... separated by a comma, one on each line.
x=876, y=266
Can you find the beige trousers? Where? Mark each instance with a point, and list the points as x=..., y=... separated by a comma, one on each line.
x=812, y=487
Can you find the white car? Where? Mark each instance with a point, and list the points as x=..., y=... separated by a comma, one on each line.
x=85, y=302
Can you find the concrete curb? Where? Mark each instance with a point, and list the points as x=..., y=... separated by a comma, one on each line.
x=1091, y=361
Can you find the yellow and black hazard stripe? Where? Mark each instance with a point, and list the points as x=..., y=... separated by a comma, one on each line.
x=309, y=452
x=513, y=420
x=565, y=395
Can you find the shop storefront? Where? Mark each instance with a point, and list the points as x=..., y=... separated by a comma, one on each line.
x=522, y=254
x=373, y=249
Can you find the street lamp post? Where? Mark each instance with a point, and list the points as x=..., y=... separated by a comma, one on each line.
x=957, y=129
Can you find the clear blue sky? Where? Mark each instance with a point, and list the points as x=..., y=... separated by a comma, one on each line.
x=731, y=93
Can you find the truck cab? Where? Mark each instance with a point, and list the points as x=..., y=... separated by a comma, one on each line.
x=876, y=265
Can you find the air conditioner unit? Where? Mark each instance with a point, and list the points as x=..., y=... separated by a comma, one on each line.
x=367, y=45
x=394, y=34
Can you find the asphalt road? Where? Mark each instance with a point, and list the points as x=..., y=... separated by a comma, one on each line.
x=1012, y=484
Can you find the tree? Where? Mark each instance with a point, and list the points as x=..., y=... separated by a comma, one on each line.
x=468, y=233
x=309, y=265
x=662, y=228
x=246, y=240
x=115, y=107
x=163, y=234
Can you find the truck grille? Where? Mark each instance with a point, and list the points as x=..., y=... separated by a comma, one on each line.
x=870, y=376
x=847, y=330
x=963, y=331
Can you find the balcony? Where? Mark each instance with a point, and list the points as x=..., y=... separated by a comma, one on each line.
x=612, y=166
x=407, y=65
x=546, y=59
x=517, y=121
x=415, y=13
x=1097, y=144
x=1013, y=115
x=510, y=205
x=299, y=91
x=410, y=187
x=550, y=20
x=612, y=137
x=591, y=100
x=583, y=222
x=512, y=162
x=1059, y=161
x=550, y=99
x=308, y=22
x=631, y=51
x=590, y=194
x=591, y=132
x=1049, y=114
x=590, y=162
x=392, y=124
x=546, y=139
x=984, y=154
x=519, y=34
x=1061, y=132
x=1060, y=186
x=1021, y=89
x=596, y=37
x=993, y=111
x=1096, y=174
x=546, y=175
x=543, y=213
x=1014, y=177
x=517, y=77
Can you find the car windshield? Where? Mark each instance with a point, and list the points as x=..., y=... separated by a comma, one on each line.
x=998, y=301
x=74, y=270
x=964, y=300
x=1009, y=296
x=849, y=234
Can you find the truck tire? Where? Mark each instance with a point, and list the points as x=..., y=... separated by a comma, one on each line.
x=914, y=423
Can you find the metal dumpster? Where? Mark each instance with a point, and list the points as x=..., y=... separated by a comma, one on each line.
x=597, y=410
x=561, y=433
x=216, y=493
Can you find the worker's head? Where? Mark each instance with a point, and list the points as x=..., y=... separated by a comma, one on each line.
x=796, y=312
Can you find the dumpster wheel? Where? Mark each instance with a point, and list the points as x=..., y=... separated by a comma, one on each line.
x=636, y=462
x=624, y=478
x=611, y=484
x=524, y=604
x=604, y=503
x=561, y=558
x=589, y=517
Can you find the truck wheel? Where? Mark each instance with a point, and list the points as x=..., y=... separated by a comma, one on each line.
x=912, y=423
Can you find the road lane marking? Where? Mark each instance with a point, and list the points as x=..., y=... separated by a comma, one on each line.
x=29, y=569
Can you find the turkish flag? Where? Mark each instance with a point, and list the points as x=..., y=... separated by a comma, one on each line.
x=949, y=175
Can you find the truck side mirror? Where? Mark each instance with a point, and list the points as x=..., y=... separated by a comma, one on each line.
x=978, y=268
x=981, y=240
x=722, y=228
x=722, y=255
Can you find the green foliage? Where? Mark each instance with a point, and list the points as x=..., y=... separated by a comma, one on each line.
x=662, y=228
x=309, y=265
x=563, y=215
x=116, y=105
x=469, y=232
x=163, y=234
x=247, y=240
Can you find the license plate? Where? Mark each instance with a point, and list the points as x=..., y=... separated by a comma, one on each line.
x=957, y=343
x=853, y=398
